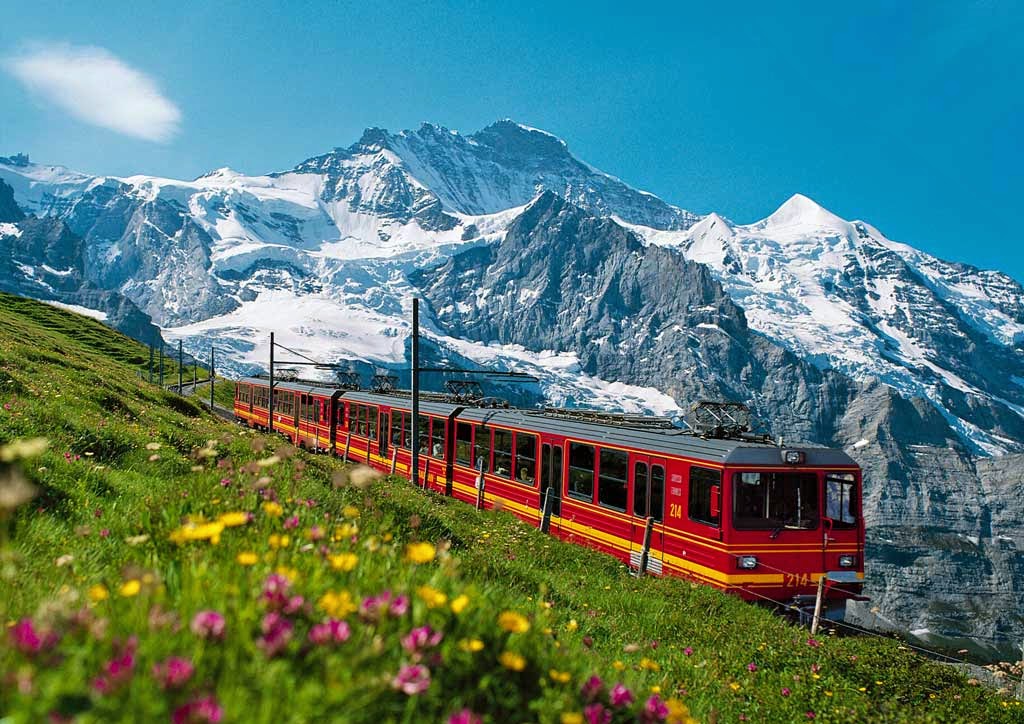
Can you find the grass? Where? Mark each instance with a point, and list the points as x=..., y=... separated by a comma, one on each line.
x=134, y=532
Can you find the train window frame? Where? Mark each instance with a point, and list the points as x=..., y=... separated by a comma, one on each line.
x=578, y=473
x=372, y=422
x=464, y=443
x=660, y=516
x=396, y=428
x=747, y=522
x=699, y=496
x=437, y=438
x=843, y=480
x=528, y=452
x=502, y=448
x=482, y=449
x=616, y=487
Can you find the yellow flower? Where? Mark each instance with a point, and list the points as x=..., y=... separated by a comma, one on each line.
x=459, y=603
x=247, y=558
x=276, y=541
x=562, y=677
x=345, y=530
x=290, y=573
x=734, y=686
x=350, y=511
x=387, y=537
x=233, y=520
x=513, y=622
x=571, y=717
x=431, y=596
x=98, y=593
x=678, y=712
x=572, y=625
x=274, y=510
x=343, y=561
x=649, y=665
x=337, y=605
x=513, y=661
x=420, y=552
x=655, y=689
x=471, y=645
x=198, y=531
x=618, y=665
x=131, y=588
x=828, y=693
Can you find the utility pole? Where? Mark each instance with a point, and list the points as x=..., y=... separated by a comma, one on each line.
x=211, y=378
x=195, y=374
x=270, y=400
x=415, y=443
x=181, y=368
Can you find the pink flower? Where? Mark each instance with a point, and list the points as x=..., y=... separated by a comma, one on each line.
x=105, y=533
x=412, y=679
x=118, y=670
x=225, y=482
x=464, y=717
x=332, y=631
x=592, y=688
x=316, y=533
x=173, y=673
x=399, y=606
x=597, y=714
x=275, y=595
x=208, y=625
x=751, y=666
x=815, y=668
x=621, y=696
x=373, y=607
x=204, y=710
x=688, y=651
x=786, y=691
x=810, y=715
x=291, y=523
x=813, y=643
x=276, y=633
x=420, y=640
x=654, y=710
x=27, y=639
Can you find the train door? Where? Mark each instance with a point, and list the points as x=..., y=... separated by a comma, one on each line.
x=551, y=476
x=648, y=485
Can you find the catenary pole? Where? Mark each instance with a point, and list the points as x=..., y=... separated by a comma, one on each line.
x=211, y=378
x=270, y=400
x=181, y=369
x=415, y=442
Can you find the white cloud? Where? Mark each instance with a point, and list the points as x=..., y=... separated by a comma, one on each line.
x=97, y=87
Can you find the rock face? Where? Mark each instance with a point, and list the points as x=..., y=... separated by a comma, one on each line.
x=530, y=259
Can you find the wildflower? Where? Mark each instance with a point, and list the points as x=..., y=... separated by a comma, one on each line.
x=597, y=714
x=618, y=665
x=208, y=625
x=688, y=651
x=118, y=670
x=810, y=715
x=225, y=482
x=562, y=677
x=592, y=688
x=421, y=639
x=331, y=631
x=315, y=533
x=571, y=717
x=678, y=712
x=734, y=686
x=105, y=533
x=649, y=665
x=337, y=605
x=173, y=673
x=513, y=622
x=233, y=520
x=98, y=592
x=786, y=691
x=28, y=640
x=204, y=710
x=459, y=603
x=350, y=511
x=136, y=540
x=275, y=594
x=399, y=606
x=420, y=552
x=272, y=509
x=654, y=710
x=751, y=667
x=65, y=560
x=412, y=679
x=471, y=645
x=346, y=530
x=247, y=558
x=130, y=588
x=291, y=523
x=572, y=625
x=343, y=561
x=511, y=660
x=464, y=717
x=192, y=531
x=620, y=696
x=431, y=596
x=813, y=643
x=276, y=541
x=276, y=632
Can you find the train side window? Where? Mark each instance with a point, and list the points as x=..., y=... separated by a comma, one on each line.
x=611, y=479
x=437, y=437
x=657, y=510
x=703, y=484
x=841, y=499
x=464, y=444
x=373, y=421
x=503, y=453
x=581, y=471
x=640, y=490
x=396, y=428
x=482, y=448
x=526, y=458
x=406, y=430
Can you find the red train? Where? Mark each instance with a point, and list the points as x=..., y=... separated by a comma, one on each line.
x=750, y=517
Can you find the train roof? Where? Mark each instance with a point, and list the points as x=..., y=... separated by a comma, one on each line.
x=666, y=441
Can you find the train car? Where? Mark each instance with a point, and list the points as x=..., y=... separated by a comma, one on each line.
x=763, y=521
x=303, y=412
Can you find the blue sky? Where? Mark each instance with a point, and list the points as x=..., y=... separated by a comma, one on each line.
x=907, y=115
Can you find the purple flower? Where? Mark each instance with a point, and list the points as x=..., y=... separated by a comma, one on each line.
x=225, y=482
x=813, y=643
x=592, y=688
x=276, y=594
x=786, y=691
x=118, y=670
x=654, y=710
x=420, y=640
x=621, y=696
x=751, y=666
x=208, y=625
x=412, y=679
x=25, y=637
x=688, y=651
x=332, y=631
x=399, y=606
x=810, y=715
x=173, y=673
x=464, y=717
x=204, y=710
x=276, y=632
x=291, y=523
x=373, y=607
x=597, y=714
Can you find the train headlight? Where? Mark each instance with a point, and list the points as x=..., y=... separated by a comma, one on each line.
x=747, y=562
x=792, y=457
x=847, y=561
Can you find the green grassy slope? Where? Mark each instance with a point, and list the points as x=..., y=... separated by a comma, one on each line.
x=149, y=510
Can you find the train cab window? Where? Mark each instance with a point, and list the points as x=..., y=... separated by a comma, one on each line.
x=657, y=510
x=437, y=438
x=704, y=485
x=611, y=479
x=396, y=428
x=771, y=501
x=503, y=453
x=841, y=499
x=482, y=448
x=464, y=443
x=640, y=481
x=526, y=458
x=581, y=471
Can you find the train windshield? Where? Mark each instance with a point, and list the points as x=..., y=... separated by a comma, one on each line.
x=770, y=501
x=841, y=499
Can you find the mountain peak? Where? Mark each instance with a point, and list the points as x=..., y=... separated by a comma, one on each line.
x=800, y=209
